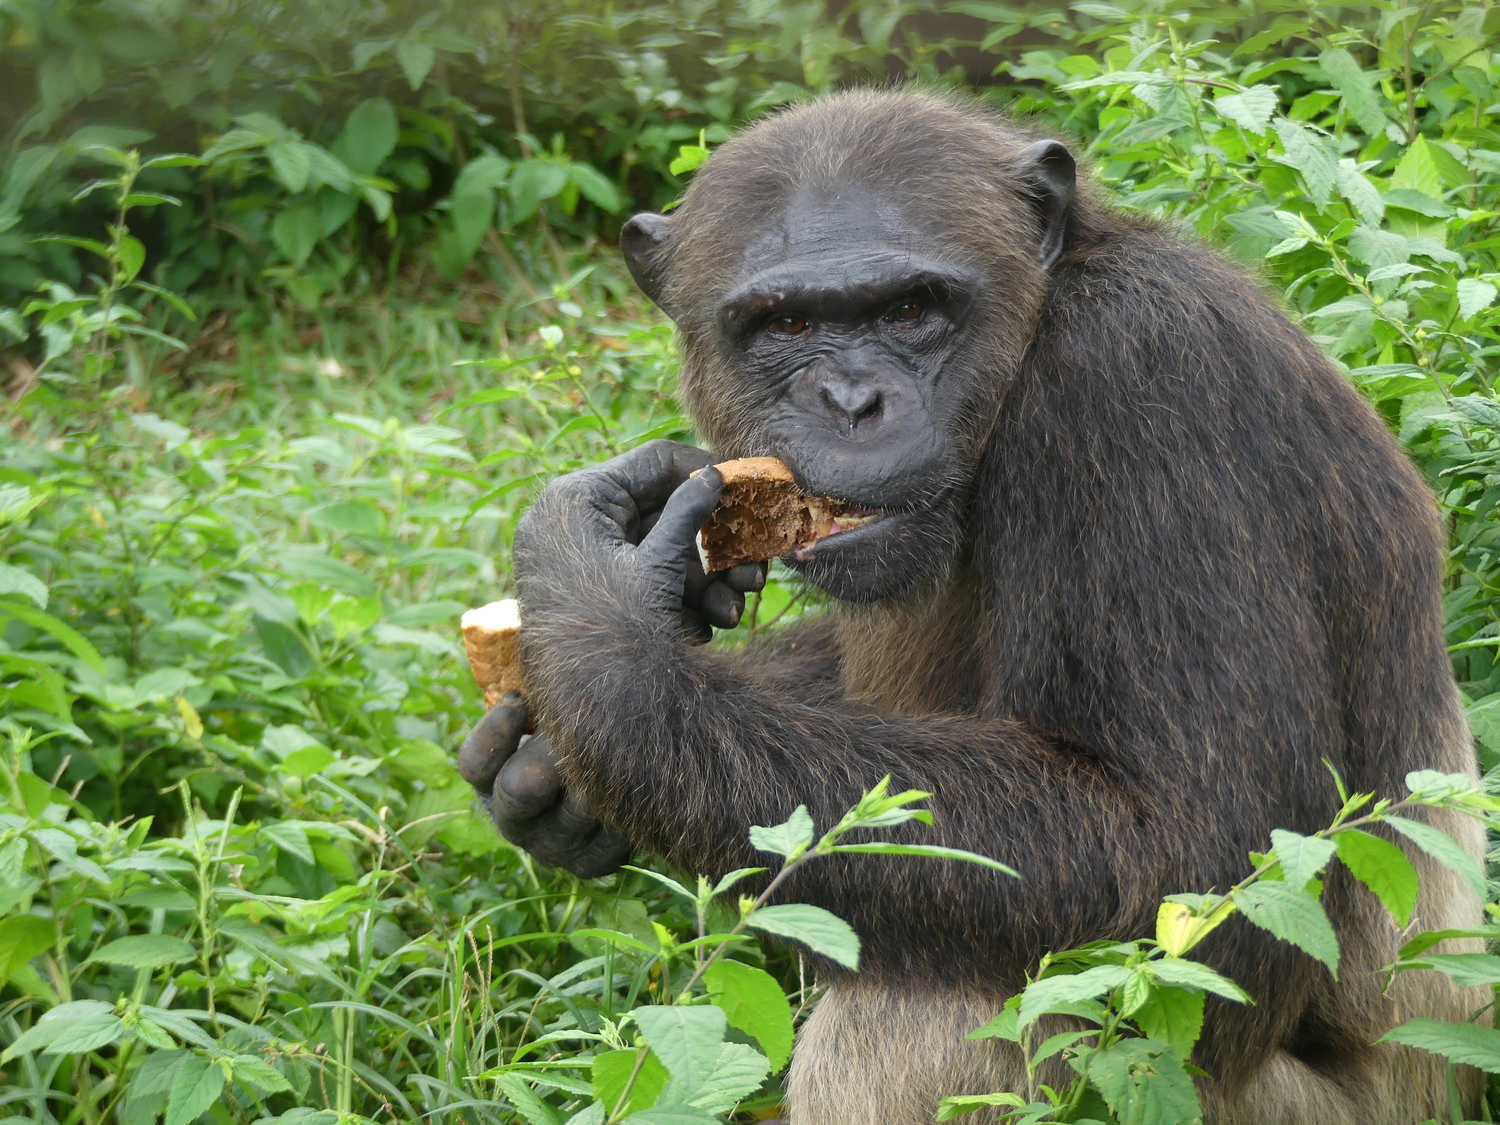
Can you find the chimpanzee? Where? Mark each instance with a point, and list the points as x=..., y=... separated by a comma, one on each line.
x=1143, y=562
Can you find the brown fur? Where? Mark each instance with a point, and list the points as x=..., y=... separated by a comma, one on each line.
x=1188, y=565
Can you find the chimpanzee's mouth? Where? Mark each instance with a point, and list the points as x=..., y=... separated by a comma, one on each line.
x=836, y=519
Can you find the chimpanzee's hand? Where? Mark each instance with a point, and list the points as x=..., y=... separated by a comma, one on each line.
x=638, y=515
x=519, y=780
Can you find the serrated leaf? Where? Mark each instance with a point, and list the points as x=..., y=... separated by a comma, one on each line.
x=1418, y=170
x=259, y=1075
x=14, y=580
x=612, y=1069
x=292, y=164
x=737, y=1073
x=1301, y=857
x=87, y=1035
x=686, y=1040
x=1465, y=1043
x=23, y=936
x=672, y=1115
x=1195, y=974
x=753, y=1002
x=822, y=932
x=1003, y=1026
x=528, y=1102
x=1463, y=968
x=416, y=58
x=1173, y=1015
x=1305, y=151
x=1443, y=848
x=789, y=838
x=53, y=1024
x=960, y=1104
x=1251, y=108
x=1474, y=296
x=1362, y=195
x=1292, y=916
x=1383, y=867
x=145, y=951
x=196, y=1086
x=1044, y=995
x=1362, y=102
x=1145, y=1083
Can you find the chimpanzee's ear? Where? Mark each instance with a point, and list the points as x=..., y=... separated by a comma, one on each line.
x=1049, y=176
x=643, y=241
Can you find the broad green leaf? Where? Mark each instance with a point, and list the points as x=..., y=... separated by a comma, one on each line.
x=1173, y=1015
x=1463, y=968
x=673, y=1115
x=132, y=257
x=1045, y=995
x=350, y=517
x=1362, y=195
x=145, y=951
x=1474, y=296
x=296, y=231
x=259, y=1075
x=1251, y=108
x=1003, y=1026
x=594, y=187
x=1418, y=170
x=612, y=1069
x=531, y=182
x=1145, y=1083
x=1307, y=152
x=1383, y=867
x=753, y=1002
x=1459, y=1042
x=737, y=1073
x=157, y=1073
x=53, y=1024
x=14, y=580
x=22, y=937
x=71, y=639
x=1428, y=938
x=1292, y=916
x=416, y=58
x=686, y=1040
x=822, y=932
x=1443, y=848
x=1301, y=857
x=369, y=136
x=87, y=1035
x=1195, y=974
x=195, y=1087
x=481, y=176
x=528, y=1103
x=292, y=163
x=1359, y=98
x=790, y=838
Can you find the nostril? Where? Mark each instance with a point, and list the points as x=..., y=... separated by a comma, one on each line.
x=870, y=410
x=851, y=404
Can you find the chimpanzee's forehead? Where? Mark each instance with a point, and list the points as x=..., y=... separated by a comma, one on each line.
x=833, y=222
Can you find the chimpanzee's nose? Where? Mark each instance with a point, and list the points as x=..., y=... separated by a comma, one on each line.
x=851, y=401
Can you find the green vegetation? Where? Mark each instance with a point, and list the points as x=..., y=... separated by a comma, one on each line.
x=297, y=309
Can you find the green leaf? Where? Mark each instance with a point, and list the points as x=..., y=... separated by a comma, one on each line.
x=1362, y=195
x=1428, y=938
x=87, y=1035
x=1443, y=848
x=1251, y=108
x=822, y=932
x=528, y=1103
x=22, y=937
x=1383, y=867
x=531, y=182
x=686, y=1040
x=296, y=231
x=1145, y=1083
x=1003, y=1026
x=673, y=1115
x=959, y=1104
x=1305, y=151
x=54, y=1024
x=1045, y=995
x=416, y=58
x=1462, y=968
x=594, y=187
x=1418, y=170
x=1465, y=1043
x=1195, y=974
x=292, y=164
x=1474, y=296
x=612, y=1069
x=1173, y=1015
x=350, y=517
x=14, y=580
x=790, y=838
x=689, y=159
x=753, y=1002
x=737, y=1073
x=196, y=1086
x=259, y=1075
x=932, y=851
x=1301, y=857
x=145, y=951
x=1362, y=102
x=1292, y=916
x=71, y=639
x=368, y=137
x=132, y=257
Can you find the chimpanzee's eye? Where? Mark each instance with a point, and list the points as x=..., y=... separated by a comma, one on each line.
x=908, y=313
x=789, y=326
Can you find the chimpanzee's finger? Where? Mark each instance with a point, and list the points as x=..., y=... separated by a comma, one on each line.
x=746, y=578
x=672, y=540
x=492, y=741
x=723, y=607
x=696, y=628
x=529, y=783
x=604, y=852
x=694, y=582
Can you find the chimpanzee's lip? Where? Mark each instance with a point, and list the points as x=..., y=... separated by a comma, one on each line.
x=844, y=520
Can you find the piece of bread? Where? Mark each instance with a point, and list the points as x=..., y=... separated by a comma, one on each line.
x=492, y=638
x=762, y=514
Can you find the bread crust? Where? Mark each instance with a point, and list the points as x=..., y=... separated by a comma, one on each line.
x=492, y=639
x=762, y=514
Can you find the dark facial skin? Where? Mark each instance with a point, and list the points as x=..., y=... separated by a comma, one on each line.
x=841, y=333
